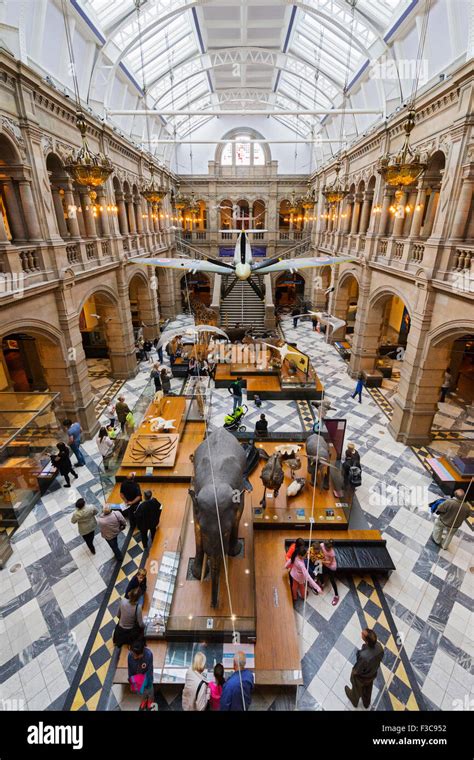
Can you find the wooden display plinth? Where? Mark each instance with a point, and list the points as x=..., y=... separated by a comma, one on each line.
x=295, y=512
x=191, y=616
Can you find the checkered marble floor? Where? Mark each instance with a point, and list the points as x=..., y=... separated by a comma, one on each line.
x=57, y=606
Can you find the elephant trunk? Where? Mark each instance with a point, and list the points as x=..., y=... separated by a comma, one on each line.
x=215, y=563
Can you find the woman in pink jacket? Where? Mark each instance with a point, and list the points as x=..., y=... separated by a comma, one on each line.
x=299, y=573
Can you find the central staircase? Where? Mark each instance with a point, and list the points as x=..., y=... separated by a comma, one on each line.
x=240, y=303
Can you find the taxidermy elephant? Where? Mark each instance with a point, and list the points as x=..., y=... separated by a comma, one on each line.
x=318, y=458
x=228, y=467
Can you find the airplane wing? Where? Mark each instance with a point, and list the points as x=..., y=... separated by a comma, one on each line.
x=292, y=265
x=190, y=265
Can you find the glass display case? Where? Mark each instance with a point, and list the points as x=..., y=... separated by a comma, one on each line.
x=29, y=431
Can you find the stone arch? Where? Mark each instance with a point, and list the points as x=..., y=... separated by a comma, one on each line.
x=12, y=217
x=143, y=305
x=387, y=291
x=290, y=289
x=345, y=302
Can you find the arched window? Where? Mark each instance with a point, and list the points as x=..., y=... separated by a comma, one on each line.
x=241, y=151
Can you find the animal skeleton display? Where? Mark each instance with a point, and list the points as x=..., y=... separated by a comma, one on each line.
x=272, y=477
x=158, y=424
x=153, y=450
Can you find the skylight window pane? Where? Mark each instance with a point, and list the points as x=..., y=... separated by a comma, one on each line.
x=242, y=154
x=226, y=157
x=258, y=155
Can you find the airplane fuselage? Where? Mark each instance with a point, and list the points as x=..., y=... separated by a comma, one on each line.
x=243, y=257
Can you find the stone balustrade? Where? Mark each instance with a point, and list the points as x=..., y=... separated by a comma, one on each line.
x=463, y=259
x=417, y=253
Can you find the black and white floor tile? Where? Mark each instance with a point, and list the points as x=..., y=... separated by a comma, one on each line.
x=52, y=587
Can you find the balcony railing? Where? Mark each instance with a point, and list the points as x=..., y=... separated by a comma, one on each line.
x=382, y=247
x=29, y=261
x=72, y=253
x=463, y=259
x=417, y=252
x=398, y=250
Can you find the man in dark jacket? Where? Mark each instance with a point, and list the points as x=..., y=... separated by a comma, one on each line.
x=365, y=670
x=450, y=515
x=147, y=517
x=240, y=681
x=131, y=493
x=235, y=389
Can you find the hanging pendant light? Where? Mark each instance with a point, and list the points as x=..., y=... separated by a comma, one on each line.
x=180, y=201
x=405, y=167
x=193, y=206
x=335, y=192
x=293, y=203
x=152, y=192
x=308, y=200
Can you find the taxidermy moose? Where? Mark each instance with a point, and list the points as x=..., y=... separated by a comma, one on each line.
x=227, y=477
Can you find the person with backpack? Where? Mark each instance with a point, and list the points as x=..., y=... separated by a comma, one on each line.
x=140, y=673
x=235, y=390
x=196, y=691
x=112, y=523
x=62, y=461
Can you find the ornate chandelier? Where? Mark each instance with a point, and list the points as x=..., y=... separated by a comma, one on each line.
x=405, y=167
x=152, y=192
x=293, y=203
x=308, y=199
x=180, y=200
x=86, y=168
x=193, y=206
x=336, y=192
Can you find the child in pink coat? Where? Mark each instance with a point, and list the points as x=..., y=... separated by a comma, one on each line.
x=216, y=687
x=299, y=573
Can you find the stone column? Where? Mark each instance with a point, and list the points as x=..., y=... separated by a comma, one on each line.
x=418, y=211
x=104, y=214
x=71, y=374
x=430, y=212
x=421, y=373
x=385, y=212
x=131, y=214
x=72, y=223
x=87, y=215
x=29, y=210
x=14, y=214
x=463, y=205
x=367, y=328
x=58, y=207
x=119, y=331
x=122, y=213
x=348, y=219
x=356, y=214
x=137, y=211
x=148, y=311
x=400, y=216
x=365, y=214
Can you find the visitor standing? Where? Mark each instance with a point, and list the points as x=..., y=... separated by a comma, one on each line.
x=359, y=387
x=299, y=574
x=450, y=515
x=140, y=672
x=235, y=389
x=130, y=626
x=365, y=670
x=106, y=446
x=196, y=689
x=111, y=524
x=165, y=381
x=239, y=684
x=216, y=686
x=110, y=412
x=329, y=563
x=295, y=314
x=84, y=516
x=155, y=375
x=147, y=516
x=138, y=581
x=74, y=440
x=131, y=493
x=62, y=460
x=159, y=350
x=351, y=460
x=121, y=410
x=445, y=388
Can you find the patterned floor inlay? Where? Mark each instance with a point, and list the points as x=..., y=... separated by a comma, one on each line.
x=57, y=609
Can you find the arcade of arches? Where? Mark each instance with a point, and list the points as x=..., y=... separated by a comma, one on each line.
x=84, y=292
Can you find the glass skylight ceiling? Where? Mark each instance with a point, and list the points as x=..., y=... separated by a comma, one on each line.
x=178, y=44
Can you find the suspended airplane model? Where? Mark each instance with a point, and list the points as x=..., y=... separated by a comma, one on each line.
x=243, y=266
